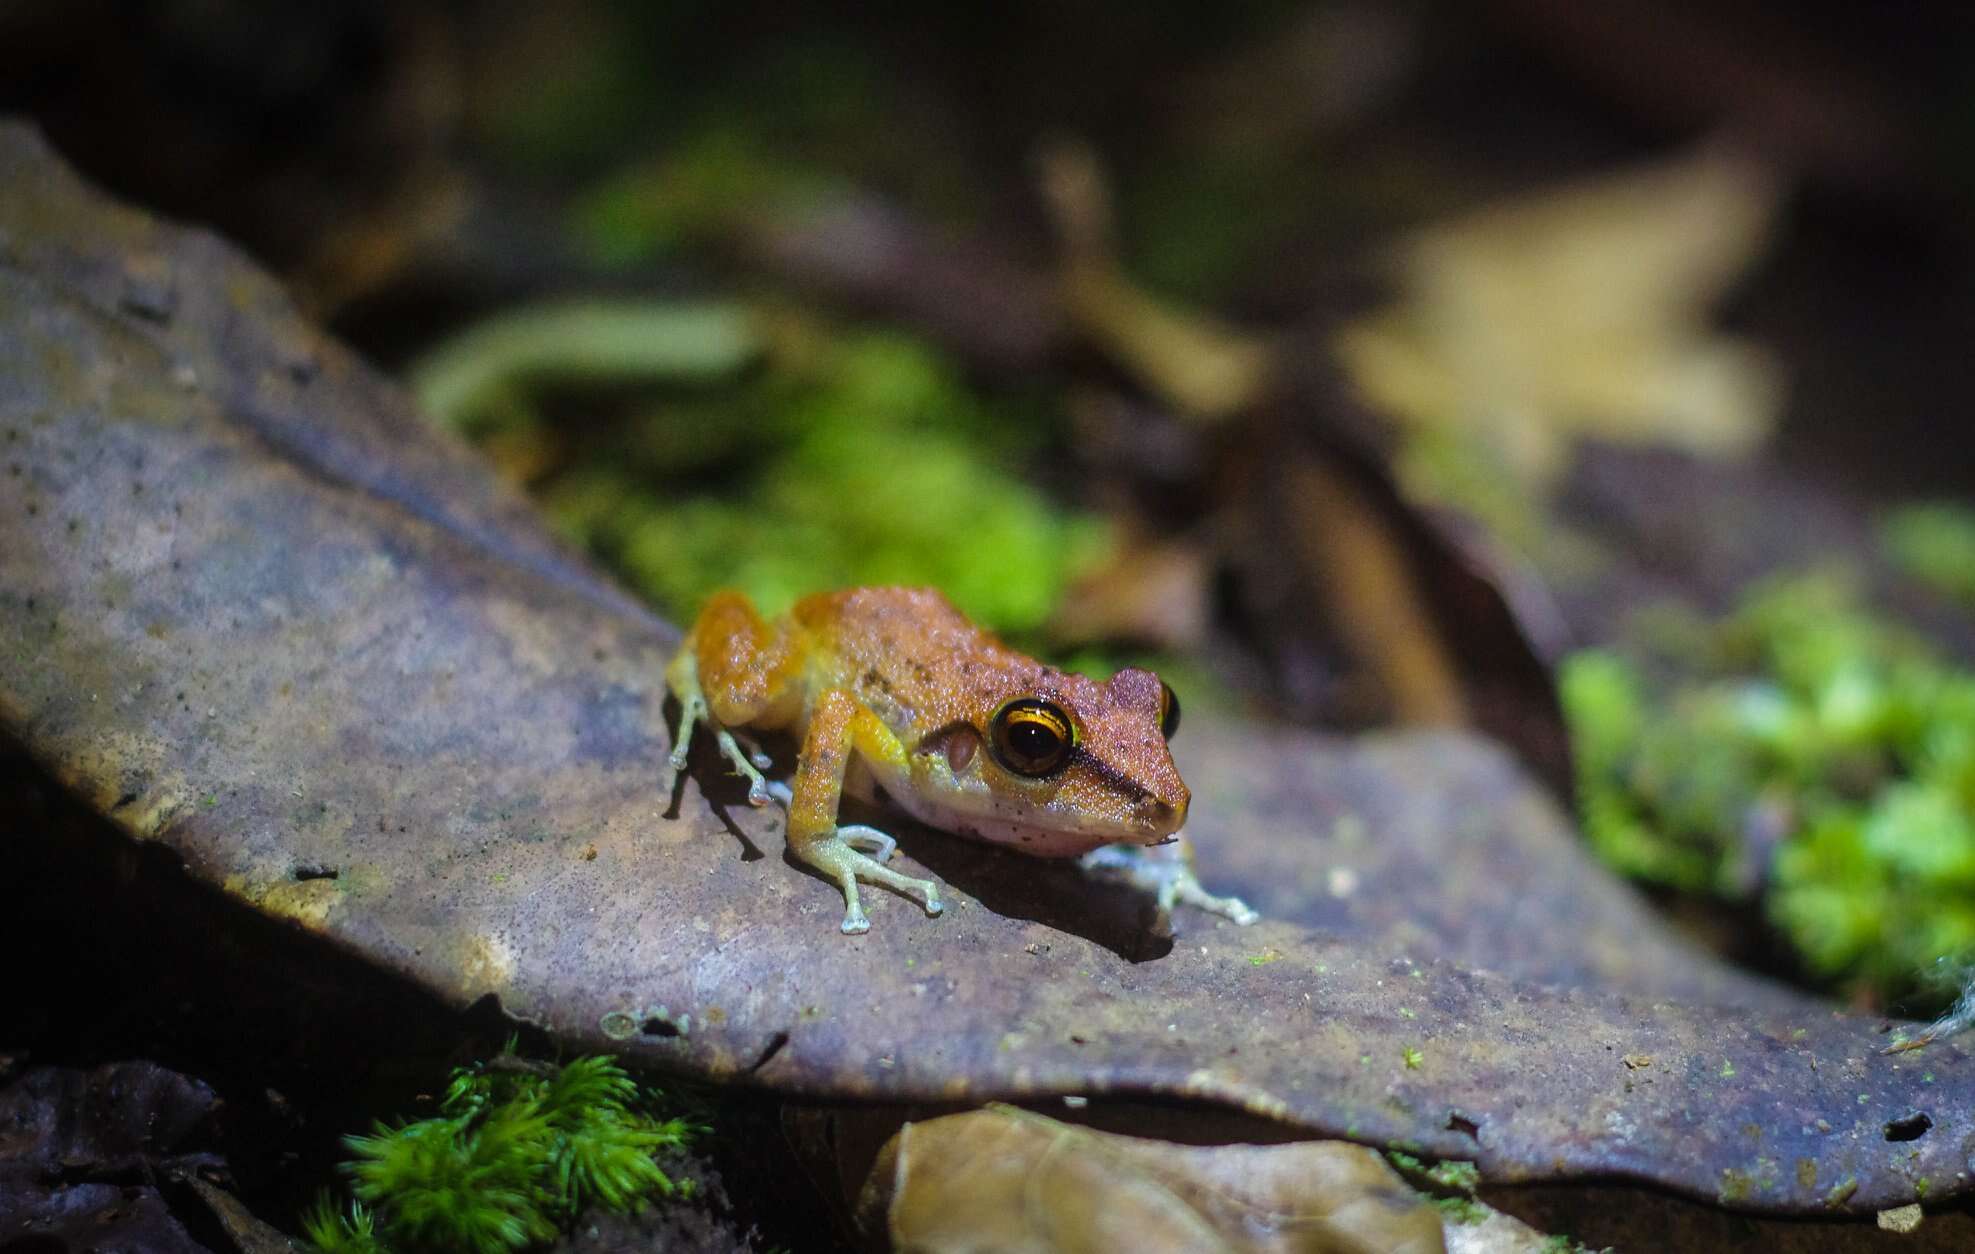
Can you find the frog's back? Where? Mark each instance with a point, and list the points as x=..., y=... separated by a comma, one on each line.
x=908, y=644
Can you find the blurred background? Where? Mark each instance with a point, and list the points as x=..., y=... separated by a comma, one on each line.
x=1590, y=376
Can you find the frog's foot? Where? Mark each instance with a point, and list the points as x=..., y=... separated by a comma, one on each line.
x=743, y=764
x=745, y=761
x=836, y=856
x=869, y=840
x=781, y=792
x=754, y=751
x=1186, y=889
x=691, y=710
x=1165, y=872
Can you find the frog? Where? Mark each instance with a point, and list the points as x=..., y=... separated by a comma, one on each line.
x=895, y=697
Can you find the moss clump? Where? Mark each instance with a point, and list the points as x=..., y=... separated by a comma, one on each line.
x=1935, y=544
x=515, y=1153
x=1453, y=1175
x=858, y=461
x=1460, y=1210
x=1803, y=749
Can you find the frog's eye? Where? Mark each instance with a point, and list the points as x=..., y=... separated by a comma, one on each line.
x=1169, y=710
x=1032, y=737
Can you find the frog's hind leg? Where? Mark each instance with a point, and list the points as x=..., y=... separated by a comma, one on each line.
x=733, y=668
x=682, y=677
x=839, y=725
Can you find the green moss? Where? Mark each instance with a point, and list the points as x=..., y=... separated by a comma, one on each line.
x=865, y=461
x=515, y=1154
x=353, y=1231
x=796, y=123
x=711, y=181
x=1935, y=544
x=1457, y=1176
x=1735, y=1186
x=1803, y=747
x=1195, y=221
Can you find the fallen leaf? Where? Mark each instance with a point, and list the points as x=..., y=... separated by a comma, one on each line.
x=1006, y=1179
x=1579, y=310
x=81, y=1151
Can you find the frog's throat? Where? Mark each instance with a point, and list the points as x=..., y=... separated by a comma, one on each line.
x=979, y=815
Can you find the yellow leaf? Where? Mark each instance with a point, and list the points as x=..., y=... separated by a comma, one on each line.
x=1581, y=310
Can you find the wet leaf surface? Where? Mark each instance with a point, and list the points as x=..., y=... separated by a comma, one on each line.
x=252, y=610
x=1641, y=1219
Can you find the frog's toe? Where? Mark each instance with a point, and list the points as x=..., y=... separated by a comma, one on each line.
x=1188, y=890
x=872, y=872
x=836, y=857
x=1233, y=909
x=743, y=764
x=869, y=840
x=755, y=755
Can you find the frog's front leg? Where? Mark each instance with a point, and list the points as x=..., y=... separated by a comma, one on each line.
x=838, y=725
x=867, y=839
x=1166, y=871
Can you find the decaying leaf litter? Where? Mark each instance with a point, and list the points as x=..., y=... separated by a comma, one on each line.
x=86, y=1151
x=237, y=629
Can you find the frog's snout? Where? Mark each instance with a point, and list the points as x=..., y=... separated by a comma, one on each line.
x=1160, y=815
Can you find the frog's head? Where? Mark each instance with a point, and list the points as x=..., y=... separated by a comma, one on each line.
x=1057, y=764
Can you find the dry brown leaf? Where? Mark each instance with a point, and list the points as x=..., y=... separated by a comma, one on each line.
x=1490, y=1231
x=1580, y=310
x=1009, y=1180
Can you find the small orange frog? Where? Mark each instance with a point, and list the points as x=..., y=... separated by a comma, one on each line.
x=893, y=689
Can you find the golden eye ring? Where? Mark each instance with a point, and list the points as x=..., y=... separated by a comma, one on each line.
x=1169, y=710
x=1032, y=737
